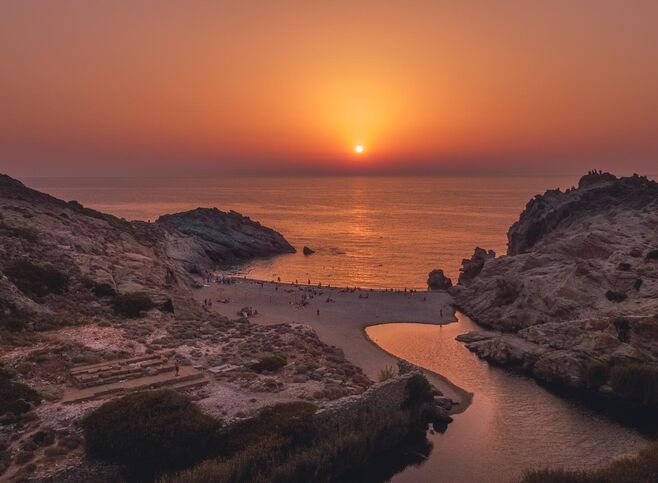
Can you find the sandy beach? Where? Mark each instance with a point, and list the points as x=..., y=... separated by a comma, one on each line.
x=342, y=317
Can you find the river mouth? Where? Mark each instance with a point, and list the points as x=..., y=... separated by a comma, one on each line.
x=512, y=424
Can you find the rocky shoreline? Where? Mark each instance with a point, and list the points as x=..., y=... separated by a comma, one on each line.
x=574, y=302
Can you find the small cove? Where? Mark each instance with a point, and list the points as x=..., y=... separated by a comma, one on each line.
x=512, y=424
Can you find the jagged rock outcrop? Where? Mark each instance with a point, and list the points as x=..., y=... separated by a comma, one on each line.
x=227, y=237
x=436, y=280
x=97, y=249
x=576, y=294
x=308, y=251
x=472, y=267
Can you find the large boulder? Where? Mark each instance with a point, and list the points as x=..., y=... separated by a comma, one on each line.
x=436, y=280
x=472, y=267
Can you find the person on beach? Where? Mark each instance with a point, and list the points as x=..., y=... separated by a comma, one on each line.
x=318, y=312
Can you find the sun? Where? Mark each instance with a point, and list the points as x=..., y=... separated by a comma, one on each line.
x=358, y=148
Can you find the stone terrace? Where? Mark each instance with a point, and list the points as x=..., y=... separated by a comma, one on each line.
x=107, y=379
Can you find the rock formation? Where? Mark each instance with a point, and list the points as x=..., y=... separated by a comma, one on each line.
x=96, y=248
x=436, y=280
x=575, y=301
x=308, y=251
x=226, y=237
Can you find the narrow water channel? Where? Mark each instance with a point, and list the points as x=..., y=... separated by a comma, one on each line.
x=512, y=425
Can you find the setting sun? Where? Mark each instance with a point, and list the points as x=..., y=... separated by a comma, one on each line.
x=358, y=148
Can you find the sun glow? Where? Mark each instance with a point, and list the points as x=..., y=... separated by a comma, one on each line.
x=358, y=149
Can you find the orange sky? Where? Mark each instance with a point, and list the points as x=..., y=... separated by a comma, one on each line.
x=187, y=87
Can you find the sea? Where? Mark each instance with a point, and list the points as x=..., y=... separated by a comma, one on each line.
x=370, y=232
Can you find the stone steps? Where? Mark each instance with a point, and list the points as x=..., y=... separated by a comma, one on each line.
x=108, y=384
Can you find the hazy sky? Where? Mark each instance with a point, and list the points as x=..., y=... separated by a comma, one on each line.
x=193, y=87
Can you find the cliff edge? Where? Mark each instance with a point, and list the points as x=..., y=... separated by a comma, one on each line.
x=575, y=300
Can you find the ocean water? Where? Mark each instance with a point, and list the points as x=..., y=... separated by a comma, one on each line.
x=372, y=232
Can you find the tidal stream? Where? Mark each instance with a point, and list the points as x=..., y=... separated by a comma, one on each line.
x=513, y=424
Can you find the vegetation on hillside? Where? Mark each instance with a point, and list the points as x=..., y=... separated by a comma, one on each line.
x=284, y=443
x=16, y=398
x=133, y=304
x=642, y=468
x=150, y=430
x=37, y=281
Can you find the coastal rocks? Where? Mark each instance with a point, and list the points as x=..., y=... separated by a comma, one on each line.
x=308, y=251
x=436, y=280
x=575, y=300
x=227, y=237
x=472, y=268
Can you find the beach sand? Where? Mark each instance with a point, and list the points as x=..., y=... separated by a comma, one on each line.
x=341, y=322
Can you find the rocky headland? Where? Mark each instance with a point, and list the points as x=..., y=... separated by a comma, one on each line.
x=574, y=302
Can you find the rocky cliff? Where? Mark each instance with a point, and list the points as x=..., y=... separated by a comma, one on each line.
x=575, y=300
x=100, y=250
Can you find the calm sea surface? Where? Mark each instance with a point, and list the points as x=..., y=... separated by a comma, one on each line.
x=370, y=232
x=512, y=425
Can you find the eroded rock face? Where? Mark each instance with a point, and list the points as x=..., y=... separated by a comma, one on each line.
x=576, y=290
x=227, y=237
x=436, y=280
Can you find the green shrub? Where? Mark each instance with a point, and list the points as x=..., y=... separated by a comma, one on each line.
x=375, y=444
x=623, y=327
x=419, y=391
x=101, y=289
x=167, y=306
x=613, y=296
x=386, y=373
x=133, y=304
x=15, y=232
x=595, y=374
x=36, y=281
x=151, y=430
x=11, y=318
x=642, y=468
x=16, y=398
x=289, y=422
x=636, y=382
x=269, y=364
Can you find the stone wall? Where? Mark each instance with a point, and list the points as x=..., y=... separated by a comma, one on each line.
x=383, y=397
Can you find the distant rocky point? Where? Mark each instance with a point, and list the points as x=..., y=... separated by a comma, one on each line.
x=227, y=237
x=575, y=300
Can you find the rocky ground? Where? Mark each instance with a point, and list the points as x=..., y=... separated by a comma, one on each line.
x=575, y=300
x=79, y=287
